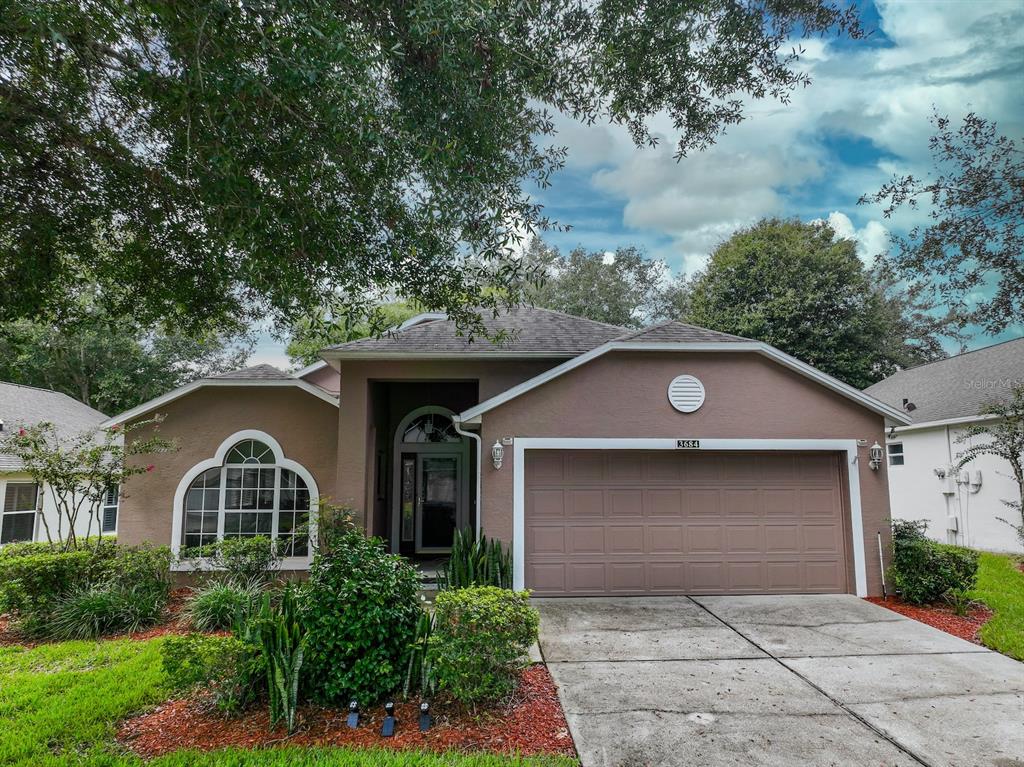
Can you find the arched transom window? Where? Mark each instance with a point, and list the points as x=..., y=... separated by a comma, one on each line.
x=249, y=495
x=431, y=427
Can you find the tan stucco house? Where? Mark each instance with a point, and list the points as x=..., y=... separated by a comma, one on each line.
x=671, y=460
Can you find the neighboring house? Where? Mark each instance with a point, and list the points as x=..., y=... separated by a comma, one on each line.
x=23, y=504
x=664, y=461
x=944, y=398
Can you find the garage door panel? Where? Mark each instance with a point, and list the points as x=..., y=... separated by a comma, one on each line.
x=674, y=522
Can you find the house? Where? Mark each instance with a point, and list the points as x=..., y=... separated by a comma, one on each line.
x=663, y=461
x=28, y=510
x=945, y=398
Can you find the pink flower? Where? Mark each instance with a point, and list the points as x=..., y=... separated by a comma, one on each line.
x=21, y=432
x=150, y=467
x=115, y=427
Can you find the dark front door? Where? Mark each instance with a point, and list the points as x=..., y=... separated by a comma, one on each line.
x=437, y=500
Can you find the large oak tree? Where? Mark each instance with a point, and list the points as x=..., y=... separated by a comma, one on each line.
x=206, y=161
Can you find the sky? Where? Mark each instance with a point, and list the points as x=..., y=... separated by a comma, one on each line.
x=864, y=118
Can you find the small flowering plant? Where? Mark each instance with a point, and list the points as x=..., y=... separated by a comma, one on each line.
x=78, y=471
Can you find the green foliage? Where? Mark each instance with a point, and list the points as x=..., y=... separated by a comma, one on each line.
x=959, y=598
x=240, y=561
x=361, y=607
x=974, y=239
x=111, y=363
x=480, y=640
x=627, y=291
x=259, y=159
x=282, y=641
x=419, y=674
x=227, y=667
x=316, y=330
x=85, y=592
x=476, y=562
x=795, y=286
x=1001, y=587
x=217, y=605
x=924, y=571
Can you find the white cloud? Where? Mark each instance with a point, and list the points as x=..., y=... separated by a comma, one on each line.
x=872, y=239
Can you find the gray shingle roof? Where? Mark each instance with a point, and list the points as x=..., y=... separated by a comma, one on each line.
x=679, y=332
x=27, y=405
x=255, y=373
x=956, y=387
x=534, y=331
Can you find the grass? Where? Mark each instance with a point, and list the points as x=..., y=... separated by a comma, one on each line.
x=60, y=704
x=1001, y=587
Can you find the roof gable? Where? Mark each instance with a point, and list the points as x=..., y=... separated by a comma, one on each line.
x=955, y=387
x=675, y=331
x=533, y=332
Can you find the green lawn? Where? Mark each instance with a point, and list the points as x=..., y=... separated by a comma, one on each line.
x=1001, y=587
x=60, y=704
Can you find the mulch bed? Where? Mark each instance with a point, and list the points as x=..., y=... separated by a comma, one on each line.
x=940, y=616
x=531, y=723
x=173, y=622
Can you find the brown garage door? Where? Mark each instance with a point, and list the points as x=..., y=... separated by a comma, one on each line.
x=679, y=522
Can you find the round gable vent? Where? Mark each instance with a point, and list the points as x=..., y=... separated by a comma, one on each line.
x=686, y=393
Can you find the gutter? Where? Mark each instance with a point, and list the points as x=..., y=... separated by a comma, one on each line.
x=457, y=425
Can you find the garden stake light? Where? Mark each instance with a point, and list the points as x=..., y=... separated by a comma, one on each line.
x=353, y=714
x=388, y=728
x=426, y=720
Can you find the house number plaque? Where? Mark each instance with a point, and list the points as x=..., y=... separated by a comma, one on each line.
x=688, y=444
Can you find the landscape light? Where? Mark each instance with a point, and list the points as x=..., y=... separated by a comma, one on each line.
x=388, y=728
x=353, y=713
x=426, y=720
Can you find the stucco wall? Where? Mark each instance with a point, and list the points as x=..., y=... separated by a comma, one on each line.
x=305, y=426
x=917, y=493
x=325, y=377
x=356, y=440
x=623, y=394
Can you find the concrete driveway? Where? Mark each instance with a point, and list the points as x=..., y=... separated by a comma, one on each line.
x=776, y=680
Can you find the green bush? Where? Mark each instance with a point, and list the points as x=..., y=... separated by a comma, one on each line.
x=98, y=610
x=480, y=640
x=228, y=667
x=239, y=560
x=32, y=583
x=476, y=562
x=360, y=607
x=217, y=605
x=281, y=636
x=924, y=571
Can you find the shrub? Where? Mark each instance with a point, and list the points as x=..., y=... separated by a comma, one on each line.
x=360, y=607
x=97, y=610
x=923, y=570
x=419, y=672
x=281, y=637
x=216, y=606
x=239, y=560
x=476, y=562
x=229, y=667
x=481, y=636
x=33, y=582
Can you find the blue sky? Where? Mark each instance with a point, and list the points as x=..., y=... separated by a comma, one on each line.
x=864, y=118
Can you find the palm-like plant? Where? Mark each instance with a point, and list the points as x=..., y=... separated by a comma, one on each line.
x=476, y=562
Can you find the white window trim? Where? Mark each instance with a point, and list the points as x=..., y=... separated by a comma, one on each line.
x=15, y=480
x=889, y=454
x=217, y=461
x=117, y=512
x=522, y=444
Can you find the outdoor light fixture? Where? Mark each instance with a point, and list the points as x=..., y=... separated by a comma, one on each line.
x=426, y=720
x=875, y=453
x=353, y=714
x=388, y=728
x=497, y=454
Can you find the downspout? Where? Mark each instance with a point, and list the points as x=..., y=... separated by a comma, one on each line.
x=457, y=424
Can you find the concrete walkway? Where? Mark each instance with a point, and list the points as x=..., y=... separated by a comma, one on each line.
x=776, y=680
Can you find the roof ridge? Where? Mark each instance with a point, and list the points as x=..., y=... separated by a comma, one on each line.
x=53, y=391
x=571, y=316
x=635, y=333
x=952, y=357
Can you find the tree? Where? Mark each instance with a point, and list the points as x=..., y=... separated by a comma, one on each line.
x=207, y=162
x=312, y=333
x=623, y=288
x=796, y=286
x=976, y=236
x=78, y=471
x=110, y=363
x=1005, y=433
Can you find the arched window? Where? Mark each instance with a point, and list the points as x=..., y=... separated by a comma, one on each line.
x=250, y=494
x=431, y=428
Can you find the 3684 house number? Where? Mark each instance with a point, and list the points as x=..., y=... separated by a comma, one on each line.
x=688, y=444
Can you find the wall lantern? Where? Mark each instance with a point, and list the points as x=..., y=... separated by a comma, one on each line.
x=497, y=454
x=876, y=453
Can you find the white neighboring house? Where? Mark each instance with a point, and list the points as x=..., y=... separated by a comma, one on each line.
x=21, y=499
x=944, y=398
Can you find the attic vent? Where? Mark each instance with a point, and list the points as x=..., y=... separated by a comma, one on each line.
x=686, y=393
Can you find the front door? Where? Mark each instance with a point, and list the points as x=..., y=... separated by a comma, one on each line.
x=437, y=501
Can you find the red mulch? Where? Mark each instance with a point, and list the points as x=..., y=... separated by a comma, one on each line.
x=173, y=622
x=531, y=723
x=940, y=616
